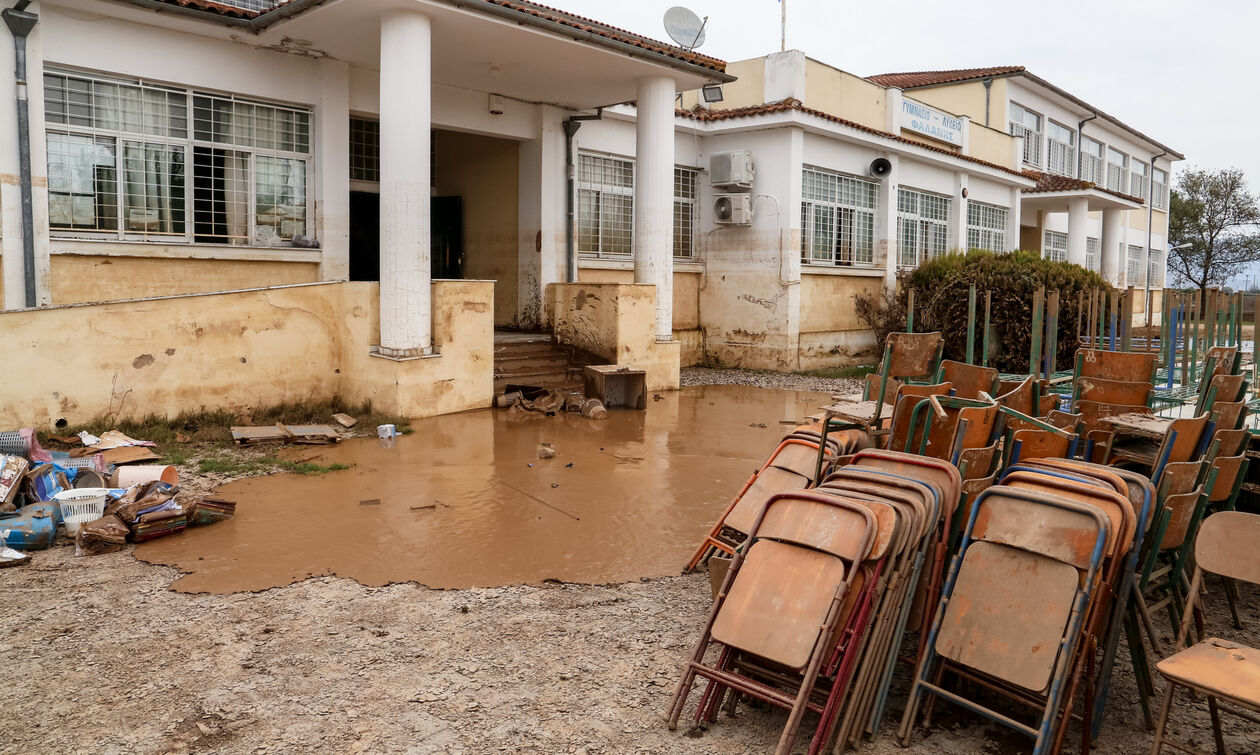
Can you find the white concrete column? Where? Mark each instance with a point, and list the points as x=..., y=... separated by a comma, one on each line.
x=892, y=101
x=654, y=197
x=1112, y=246
x=886, y=222
x=541, y=185
x=12, y=264
x=1078, y=229
x=332, y=170
x=1013, y=220
x=958, y=221
x=406, y=84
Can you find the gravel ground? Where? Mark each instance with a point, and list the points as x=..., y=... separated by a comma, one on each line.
x=98, y=655
x=784, y=380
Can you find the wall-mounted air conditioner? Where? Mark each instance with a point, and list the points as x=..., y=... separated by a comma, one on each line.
x=731, y=171
x=732, y=209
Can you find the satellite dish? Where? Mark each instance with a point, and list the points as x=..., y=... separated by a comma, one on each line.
x=685, y=27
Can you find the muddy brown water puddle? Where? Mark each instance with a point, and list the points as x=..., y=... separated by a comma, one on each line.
x=460, y=506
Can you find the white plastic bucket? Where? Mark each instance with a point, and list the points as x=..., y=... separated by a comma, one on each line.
x=80, y=506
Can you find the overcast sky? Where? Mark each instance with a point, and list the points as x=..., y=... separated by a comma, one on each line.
x=1186, y=73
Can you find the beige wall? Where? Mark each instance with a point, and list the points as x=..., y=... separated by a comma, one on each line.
x=844, y=95
x=992, y=145
x=686, y=292
x=240, y=350
x=831, y=333
x=749, y=88
x=84, y=278
x=483, y=171
x=1030, y=238
x=617, y=322
x=968, y=99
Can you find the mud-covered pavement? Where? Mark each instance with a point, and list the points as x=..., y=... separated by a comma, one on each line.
x=100, y=655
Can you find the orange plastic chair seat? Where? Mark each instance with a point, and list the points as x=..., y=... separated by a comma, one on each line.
x=1217, y=667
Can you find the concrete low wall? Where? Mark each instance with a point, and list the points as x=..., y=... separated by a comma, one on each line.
x=617, y=322
x=239, y=350
x=78, y=279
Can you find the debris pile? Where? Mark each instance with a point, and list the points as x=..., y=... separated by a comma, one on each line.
x=93, y=492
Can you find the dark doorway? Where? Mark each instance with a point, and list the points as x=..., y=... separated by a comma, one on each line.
x=365, y=236
x=446, y=236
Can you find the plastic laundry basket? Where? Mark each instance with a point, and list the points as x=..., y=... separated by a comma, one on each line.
x=78, y=507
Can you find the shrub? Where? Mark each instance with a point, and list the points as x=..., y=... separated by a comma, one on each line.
x=941, y=285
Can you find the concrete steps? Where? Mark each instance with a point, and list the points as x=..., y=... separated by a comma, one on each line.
x=536, y=359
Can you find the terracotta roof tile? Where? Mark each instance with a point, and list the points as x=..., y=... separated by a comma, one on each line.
x=1047, y=182
x=792, y=104
x=520, y=6
x=910, y=79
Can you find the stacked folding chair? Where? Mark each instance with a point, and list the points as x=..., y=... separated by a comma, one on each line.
x=812, y=610
x=1030, y=594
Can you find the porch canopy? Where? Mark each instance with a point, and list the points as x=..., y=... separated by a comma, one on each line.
x=1054, y=193
x=519, y=50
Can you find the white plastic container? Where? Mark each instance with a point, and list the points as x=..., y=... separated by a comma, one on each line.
x=80, y=506
x=386, y=431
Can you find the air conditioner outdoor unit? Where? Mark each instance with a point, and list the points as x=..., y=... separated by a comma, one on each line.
x=731, y=171
x=732, y=209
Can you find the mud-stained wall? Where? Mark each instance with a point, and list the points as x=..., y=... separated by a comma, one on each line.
x=78, y=279
x=832, y=335
x=687, y=284
x=238, y=350
x=617, y=322
x=483, y=171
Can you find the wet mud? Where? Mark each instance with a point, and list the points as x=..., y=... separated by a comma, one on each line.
x=466, y=501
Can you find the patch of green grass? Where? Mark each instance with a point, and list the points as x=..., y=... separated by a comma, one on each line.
x=310, y=468
x=235, y=467
x=176, y=455
x=860, y=371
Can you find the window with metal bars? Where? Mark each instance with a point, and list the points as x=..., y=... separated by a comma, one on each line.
x=1091, y=253
x=685, y=212
x=1137, y=179
x=1091, y=161
x=837, y=219
x=1159, y=189
x=1134, y=269
x=986, y=227
x=922, y=227
x=1155, y=270
x=605, y=205
x=1054, y=246
x=1117, y=163
x=1060, y=149
x=1027, y=124
x=365, y=150
x=141, y=161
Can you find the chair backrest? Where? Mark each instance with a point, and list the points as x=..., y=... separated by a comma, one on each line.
x=1104, y=391
x=1019, y=395
x=1038, y=444
x=799, y=455
x=1180, y=508
x=1179, y=477
x=1063, y=420
x=933, y=471
x=769, y=482
x=1040, y=523
x=1116, y=365
x=825, y=523
x=1228, y=442
x=1116, y=506
x=969, y=380
x=913, y=355
x=1227, y=387
x=1228, y=415
x=1224, y=359
x=1226, y=545
x=871, y=387
x=975, y=463
x=1093, y=412
x=1230, y=471
x=1181, y=440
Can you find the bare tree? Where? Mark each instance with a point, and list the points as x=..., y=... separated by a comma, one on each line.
x=1216, y=223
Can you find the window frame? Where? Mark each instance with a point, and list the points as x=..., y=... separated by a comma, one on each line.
x=1065, y=151
x=1097, y=174
x=187, y=146
x=927, y=228
x=603, y=188
x=1121, y=168
x=680, y=204
x=1133, y=268
x=1059, y=253
x=1032, y=147
x=1092, y=245
x=847, y=218
x=1159, y=199
x=1139, y=178
x=980, y=232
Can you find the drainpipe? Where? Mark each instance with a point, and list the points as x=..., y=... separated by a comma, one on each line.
x=1080, y=136
x=20, y=24
x=988, y=86
x=571, y=126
